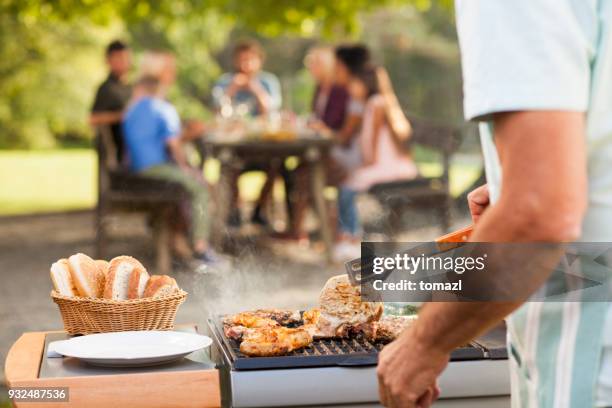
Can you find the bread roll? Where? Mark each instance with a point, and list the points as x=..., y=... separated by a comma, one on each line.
x=103, y=265
x=160, y=285
x=138, y=283
x=61, y=278
x=86, y=274
x=124, y=271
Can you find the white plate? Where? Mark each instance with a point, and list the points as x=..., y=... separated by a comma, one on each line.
x=132, y=348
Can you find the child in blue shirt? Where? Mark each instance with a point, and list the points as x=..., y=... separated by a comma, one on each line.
x=154, y=141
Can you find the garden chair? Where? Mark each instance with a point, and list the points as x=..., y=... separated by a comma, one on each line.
x=422, y=192
x=121, y=191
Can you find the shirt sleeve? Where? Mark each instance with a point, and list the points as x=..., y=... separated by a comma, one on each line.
x=170, y=123
x=273, y=87
x=524, y=55
x=101, y=100
x=218, y=90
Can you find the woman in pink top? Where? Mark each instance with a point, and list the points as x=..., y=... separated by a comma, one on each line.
x=384, y=132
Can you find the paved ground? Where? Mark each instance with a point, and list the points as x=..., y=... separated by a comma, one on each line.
x=263, y=273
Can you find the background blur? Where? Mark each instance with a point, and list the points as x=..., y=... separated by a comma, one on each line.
x=51, y=61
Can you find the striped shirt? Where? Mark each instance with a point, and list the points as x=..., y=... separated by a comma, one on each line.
x=549, y=55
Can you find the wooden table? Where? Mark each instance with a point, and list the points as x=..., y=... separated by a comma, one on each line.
x=234, y=154
x=151, y=387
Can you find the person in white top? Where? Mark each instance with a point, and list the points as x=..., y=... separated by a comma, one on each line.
x=537, y=74
x=382, y=146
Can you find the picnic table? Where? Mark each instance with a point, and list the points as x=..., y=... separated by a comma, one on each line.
x=233, y=153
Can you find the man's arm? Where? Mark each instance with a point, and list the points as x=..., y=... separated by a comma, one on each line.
x=175, y=146
x=261, y=96
x=105, y=118
x=543, y=199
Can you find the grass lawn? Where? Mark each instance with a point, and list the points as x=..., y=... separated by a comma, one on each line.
x=60, y=180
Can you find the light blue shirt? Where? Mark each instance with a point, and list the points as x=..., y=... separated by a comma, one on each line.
x=147, y=127
x=520, y=55
x=267, y=80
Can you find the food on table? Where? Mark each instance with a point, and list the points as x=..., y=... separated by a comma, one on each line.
x=160, y=285
x=280, y=135
x=61, y=278
x=126, y=279
x=341, y=307
x=87, y=277
x=274, y=341
x=123, y=278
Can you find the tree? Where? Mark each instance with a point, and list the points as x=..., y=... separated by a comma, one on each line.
x=50, y=50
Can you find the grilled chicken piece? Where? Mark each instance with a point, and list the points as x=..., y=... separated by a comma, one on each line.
x=235, y=332
x=236, y=325
x=275, y=341
x=340, y=308
x=262, y=317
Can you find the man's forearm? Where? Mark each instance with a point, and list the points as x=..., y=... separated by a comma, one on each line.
x=537, y=149
x=178, y=155
x=105, y=118
x=451, y=325
x=262, y=98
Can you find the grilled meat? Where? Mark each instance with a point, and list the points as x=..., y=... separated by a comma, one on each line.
x=235, y=325
x=387, y=329
x=235, y=332
x=340, y=307
x=262, y=317
x=273, y=341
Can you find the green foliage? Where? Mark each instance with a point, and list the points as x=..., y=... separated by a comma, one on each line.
x=51, y=51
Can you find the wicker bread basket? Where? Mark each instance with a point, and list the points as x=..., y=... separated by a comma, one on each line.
x=89, y=315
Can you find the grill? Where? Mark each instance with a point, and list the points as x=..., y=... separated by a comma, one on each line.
x=343, y=371
x=348, y=352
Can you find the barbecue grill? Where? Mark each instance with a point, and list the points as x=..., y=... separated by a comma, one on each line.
x=343, y=371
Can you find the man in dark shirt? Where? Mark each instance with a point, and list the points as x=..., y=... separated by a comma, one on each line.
x=114, y=93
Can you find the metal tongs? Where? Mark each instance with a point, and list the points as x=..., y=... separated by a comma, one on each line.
x=442, y=244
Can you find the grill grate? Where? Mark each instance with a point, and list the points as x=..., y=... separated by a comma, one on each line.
x=356, y=351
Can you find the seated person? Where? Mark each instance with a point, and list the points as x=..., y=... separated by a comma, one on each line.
x=154, y=142
x=113, y=94
x=248, y=84
x=330, y=99
x=257, y=93
x=383, y=135
x=336, y=113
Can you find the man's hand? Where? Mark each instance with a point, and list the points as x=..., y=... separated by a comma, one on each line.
x=408, y=370
x=478, y=201
x=240, y=80
x=192, y=130
x=105, y=118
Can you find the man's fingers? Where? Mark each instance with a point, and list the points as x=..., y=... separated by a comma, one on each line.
x=478, y=200
x=436, y=393
x=382, y=389
x=426, y=399
x=479, y=195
